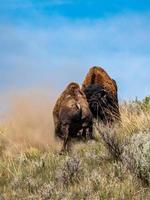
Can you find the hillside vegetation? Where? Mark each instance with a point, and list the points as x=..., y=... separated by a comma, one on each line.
x=114, y=166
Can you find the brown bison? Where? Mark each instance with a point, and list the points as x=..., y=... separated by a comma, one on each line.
x=72, y=115
x=101, y=93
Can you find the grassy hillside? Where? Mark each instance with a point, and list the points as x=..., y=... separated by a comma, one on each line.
x=115, y=166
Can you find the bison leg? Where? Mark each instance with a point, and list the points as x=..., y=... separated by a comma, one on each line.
x=57, y=130
x=84, y=131
x=65, y=131
x=87, y=133
x=90, y=132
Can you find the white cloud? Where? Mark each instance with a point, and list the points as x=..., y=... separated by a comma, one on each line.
x=63, y=51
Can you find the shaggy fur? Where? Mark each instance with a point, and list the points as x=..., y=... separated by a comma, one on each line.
x=72, y=114
x=101, y=93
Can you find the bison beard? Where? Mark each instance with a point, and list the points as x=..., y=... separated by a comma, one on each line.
x=102, y=104
x=72, y=114
x=101, y=92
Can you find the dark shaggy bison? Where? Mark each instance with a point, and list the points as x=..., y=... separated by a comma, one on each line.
x=72, y=115
x=101, y=93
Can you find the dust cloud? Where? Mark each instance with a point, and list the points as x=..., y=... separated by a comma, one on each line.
x=29, y=120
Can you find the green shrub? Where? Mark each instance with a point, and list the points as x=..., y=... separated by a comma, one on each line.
x=144, y=104
x=71, y=172
x=137, y=155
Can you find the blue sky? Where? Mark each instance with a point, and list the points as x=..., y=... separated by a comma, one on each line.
x=48, y=43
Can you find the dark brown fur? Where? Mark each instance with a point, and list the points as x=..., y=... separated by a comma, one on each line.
x=72, y=114
x=101, y=93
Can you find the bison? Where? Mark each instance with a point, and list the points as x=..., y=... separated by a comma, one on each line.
x=101, y=93
x=72, y=115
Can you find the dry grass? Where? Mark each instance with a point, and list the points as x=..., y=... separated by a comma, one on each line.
x=134, y=118
x=35, y=170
